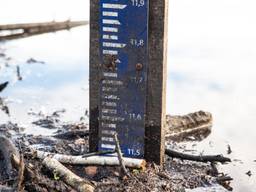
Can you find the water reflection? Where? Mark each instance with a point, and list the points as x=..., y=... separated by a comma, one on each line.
x=62, y=82
x=222, y=84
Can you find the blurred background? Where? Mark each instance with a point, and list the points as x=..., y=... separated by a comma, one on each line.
x=211, y=66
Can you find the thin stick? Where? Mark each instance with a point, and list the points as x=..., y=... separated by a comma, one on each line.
x=223, y=179
x=120, y=156
x=28, y=171
x=21, y=170
x=21, y=173
x=99, y=153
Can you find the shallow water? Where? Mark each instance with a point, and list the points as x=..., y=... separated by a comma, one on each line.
x=211, y=67
x=62, y=82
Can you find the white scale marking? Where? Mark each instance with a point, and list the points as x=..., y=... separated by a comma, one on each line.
x=114, y=45
x=106, y=74
x=109, y=111
x=110, y=52
x=110, y=29
x=113, y=6
x=108, y=132
x=111, y=22
x=112, y=82
x=113, y=119
x=113, y=97
x=109, y=74
x=110, y=13
x=109, y=104
x=108, y=139
x=110, y=37
x=109, y=89
x=109, y=125
x=108, y=146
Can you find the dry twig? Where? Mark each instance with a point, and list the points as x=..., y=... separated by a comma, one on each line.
x=68, y=176
x=21, y=173
x=120, y=157
x=200, y=158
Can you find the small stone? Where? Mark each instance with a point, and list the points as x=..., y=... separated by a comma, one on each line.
x=125, y=177
x=79, y=142
x=91, y=171
x=115, y=173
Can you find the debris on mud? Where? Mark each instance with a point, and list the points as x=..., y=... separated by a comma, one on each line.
x=3, y=104
x=3, y=85
x=72, y=139
x=229, y=151
x=191, y=127
x=34, y=61
x=9, y=65
x=4, y=107
x=48, y=121
x=18, y=73
x=249, y=173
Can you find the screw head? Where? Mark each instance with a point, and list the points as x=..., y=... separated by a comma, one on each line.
x=139, y=66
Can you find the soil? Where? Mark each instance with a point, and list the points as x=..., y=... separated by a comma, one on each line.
x=176, y=175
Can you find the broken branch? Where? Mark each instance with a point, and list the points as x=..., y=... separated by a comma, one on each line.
x=200, y=158
x=223, y=179
x=93, y=160
x=68, y=176
x=21, y=173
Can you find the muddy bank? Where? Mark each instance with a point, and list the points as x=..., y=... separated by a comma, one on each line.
x=176, y=175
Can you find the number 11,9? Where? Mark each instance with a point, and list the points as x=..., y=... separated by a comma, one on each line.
x=138, y=3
